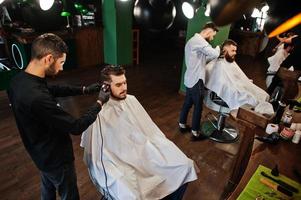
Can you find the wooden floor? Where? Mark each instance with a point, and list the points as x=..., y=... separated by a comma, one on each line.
x=155, y=83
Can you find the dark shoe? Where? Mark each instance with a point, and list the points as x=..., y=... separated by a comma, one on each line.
x=198, y=138
x=184, y=130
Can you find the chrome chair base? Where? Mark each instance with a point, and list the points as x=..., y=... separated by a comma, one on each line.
x=218, y=130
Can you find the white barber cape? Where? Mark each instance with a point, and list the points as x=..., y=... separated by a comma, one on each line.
x=231, y=84
x=140, y=162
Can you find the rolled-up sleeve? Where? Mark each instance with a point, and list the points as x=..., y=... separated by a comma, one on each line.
x=207, y=50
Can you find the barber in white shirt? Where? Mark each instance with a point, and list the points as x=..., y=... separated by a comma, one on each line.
x=197, y=53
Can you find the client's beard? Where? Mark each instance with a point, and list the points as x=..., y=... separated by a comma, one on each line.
x=117, y=98
x=229, y=58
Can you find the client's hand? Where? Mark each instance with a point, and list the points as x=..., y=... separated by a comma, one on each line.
x=92, y=89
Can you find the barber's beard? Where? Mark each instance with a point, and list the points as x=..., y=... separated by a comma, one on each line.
x=51, y=70
x=229, y=58
x=208, y=39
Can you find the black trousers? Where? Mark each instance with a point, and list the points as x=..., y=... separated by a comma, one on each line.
x=194, y=97
x=63, y=180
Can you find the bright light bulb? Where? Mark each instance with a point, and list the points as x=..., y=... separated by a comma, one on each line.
x=174, y=12
x=265, y=8
x=256, y=13
x=188, y=10
x=46, y=4
x=207, y=11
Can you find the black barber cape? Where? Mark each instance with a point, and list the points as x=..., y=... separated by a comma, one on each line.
x=43, y=125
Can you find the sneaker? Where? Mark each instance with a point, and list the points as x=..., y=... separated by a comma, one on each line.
x=199, y=137
x=183, y=128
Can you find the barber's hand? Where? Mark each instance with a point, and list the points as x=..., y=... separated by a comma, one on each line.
x=92, y=89
x=104, y=95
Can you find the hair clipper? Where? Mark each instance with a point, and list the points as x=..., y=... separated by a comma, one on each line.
x=105, y=87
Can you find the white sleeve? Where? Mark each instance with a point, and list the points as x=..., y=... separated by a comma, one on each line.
x=210, y=52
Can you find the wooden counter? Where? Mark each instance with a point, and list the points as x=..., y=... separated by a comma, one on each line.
x=27, y=38
x=285, y=154
x=85, y=44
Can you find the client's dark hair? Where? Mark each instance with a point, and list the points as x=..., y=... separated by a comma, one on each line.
x=48, y=43
x=111, y=70
x=227, y=42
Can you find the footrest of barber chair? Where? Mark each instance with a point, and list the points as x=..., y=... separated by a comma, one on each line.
x=227, y=135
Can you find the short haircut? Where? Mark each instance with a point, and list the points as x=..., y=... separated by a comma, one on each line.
x=289, y=34
x=210, y=25
x=111, y=70
x=228, y=42
x=48, y=43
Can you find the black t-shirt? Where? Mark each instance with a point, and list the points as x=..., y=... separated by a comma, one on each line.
x=43, y=125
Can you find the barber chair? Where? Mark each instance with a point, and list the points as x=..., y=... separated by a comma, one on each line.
x=216, y=127
x=289, y=82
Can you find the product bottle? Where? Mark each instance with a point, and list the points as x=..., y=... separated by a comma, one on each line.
x=287, y=118
x=275, y=100
x=296, y=137
x=279, y=112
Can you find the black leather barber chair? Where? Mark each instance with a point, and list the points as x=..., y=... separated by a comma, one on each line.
x=220, y=131
x=284, y=85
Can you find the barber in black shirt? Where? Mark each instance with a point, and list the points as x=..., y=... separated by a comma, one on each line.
x=43, y=125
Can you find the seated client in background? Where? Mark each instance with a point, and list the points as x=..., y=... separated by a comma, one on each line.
x=229, y=82
x=127, y=155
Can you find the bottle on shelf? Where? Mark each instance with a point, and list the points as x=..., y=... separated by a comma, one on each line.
x=288, y=116
x=279, y=112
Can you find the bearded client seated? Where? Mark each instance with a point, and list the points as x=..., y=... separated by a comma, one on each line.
x=127, y=155
x=229, y=82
